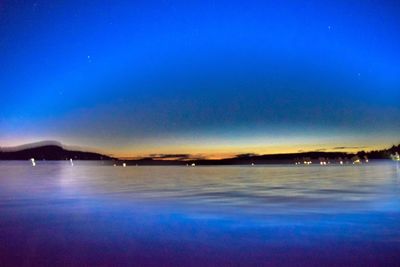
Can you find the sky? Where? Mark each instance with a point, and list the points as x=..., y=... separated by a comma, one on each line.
x=210, y=78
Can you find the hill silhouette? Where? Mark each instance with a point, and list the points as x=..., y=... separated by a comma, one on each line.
x=49, y=152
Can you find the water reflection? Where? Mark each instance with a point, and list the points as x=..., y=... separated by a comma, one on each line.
x=251, y=190
x=279, y=215
x=242, y=189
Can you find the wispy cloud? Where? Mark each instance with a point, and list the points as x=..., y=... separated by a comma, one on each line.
x=314, y=150
x=347, y=147
x=170, y=156
x=245, y=155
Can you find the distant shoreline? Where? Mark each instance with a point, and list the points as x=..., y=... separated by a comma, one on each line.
x=54, y=152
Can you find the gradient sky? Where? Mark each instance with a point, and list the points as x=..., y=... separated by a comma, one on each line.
x=206, y=77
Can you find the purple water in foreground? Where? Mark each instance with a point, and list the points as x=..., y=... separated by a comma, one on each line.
x=89, y=215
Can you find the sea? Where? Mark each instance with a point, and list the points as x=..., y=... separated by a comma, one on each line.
x=94, y=214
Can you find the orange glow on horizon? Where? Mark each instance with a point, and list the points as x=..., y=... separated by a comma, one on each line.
x=230, y=152
x=217, y=148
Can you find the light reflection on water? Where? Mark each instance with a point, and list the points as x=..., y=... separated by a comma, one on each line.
x=238, y=189
x=286, y=209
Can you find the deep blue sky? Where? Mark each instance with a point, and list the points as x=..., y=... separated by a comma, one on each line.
x=206, y=77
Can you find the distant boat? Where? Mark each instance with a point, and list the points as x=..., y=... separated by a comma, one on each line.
x=33, y=162
x=395, y=156
x=193, y=164
x=322, y=161
x=356, y=160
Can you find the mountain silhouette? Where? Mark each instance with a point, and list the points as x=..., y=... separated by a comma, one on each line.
x=48, y=151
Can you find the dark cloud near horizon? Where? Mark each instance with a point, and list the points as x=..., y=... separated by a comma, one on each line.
x=245, y=155
x=171, y=156
x=316, y=150
x=333, y=148
x=347, y=147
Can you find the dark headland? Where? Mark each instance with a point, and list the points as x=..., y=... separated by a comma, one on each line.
x=48, y=151
x=56, y=151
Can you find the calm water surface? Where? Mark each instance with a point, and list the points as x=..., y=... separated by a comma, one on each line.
x=93, y=215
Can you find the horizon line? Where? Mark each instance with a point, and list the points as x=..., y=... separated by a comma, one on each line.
x=186, y=156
